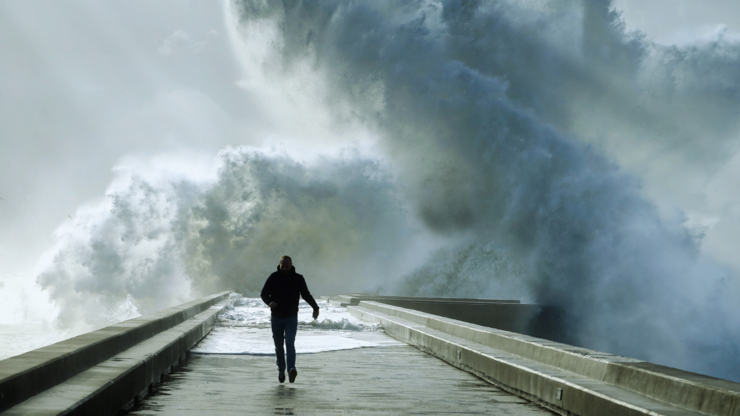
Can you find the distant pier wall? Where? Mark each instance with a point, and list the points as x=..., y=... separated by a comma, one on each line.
x=509, y=315
x=103, y=371
x=566, y=379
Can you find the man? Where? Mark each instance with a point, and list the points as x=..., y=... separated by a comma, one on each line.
x=281, y=294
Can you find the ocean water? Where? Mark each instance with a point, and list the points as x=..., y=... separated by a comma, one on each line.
x=244, y=328
x=16, y=339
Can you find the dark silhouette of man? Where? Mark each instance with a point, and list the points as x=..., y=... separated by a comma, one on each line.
x=281, y=293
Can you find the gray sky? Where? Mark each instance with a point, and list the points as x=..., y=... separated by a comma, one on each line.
x=669, y=21
x=86, y=83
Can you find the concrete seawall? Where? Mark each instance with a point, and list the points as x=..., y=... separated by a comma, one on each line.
x=566, y=379
x=509, y=315
x=100, y=372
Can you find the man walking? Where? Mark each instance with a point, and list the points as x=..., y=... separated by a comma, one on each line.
x=281, y=294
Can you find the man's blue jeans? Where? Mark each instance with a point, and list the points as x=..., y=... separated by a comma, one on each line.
x=283, y=331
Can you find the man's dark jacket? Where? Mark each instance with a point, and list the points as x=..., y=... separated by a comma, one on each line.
x=284, y=289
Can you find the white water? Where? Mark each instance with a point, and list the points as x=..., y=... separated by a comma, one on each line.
x=244, y=328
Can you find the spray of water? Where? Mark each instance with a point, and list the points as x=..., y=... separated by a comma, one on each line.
x=512, y=132
x=163, y=236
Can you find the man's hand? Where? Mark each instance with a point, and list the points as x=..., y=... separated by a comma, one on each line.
x=315, y=313
x=272, y=305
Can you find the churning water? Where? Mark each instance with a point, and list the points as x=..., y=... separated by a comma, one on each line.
x=244, y=328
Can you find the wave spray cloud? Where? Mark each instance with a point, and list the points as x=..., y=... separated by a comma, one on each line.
x=449, y=148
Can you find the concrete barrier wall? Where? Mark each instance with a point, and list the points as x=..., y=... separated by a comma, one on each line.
x=564, y=378
x=509, y=315
x=355, y=298
x=110, y=366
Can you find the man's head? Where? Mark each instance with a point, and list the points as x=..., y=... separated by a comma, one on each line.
x=285, y=264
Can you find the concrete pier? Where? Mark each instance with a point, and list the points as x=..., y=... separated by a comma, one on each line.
x=387, y=380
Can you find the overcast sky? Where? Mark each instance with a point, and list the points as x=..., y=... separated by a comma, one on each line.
x=86, y=83
x=670, y=21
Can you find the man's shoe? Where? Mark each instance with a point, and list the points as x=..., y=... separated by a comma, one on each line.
x=292, y=374
x=281, y=377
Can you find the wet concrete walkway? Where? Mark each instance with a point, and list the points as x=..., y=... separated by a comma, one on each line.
x=387, y=380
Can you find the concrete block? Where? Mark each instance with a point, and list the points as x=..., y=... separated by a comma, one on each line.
x=29, y=374
x=118, y=382
x=510, y=315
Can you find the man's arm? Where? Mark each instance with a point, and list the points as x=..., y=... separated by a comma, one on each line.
x=306, y=295
x=266, y=294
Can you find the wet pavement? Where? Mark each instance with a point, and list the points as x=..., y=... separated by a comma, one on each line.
x=391, y=379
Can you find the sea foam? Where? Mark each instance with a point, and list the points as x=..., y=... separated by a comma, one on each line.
x=243, y=328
